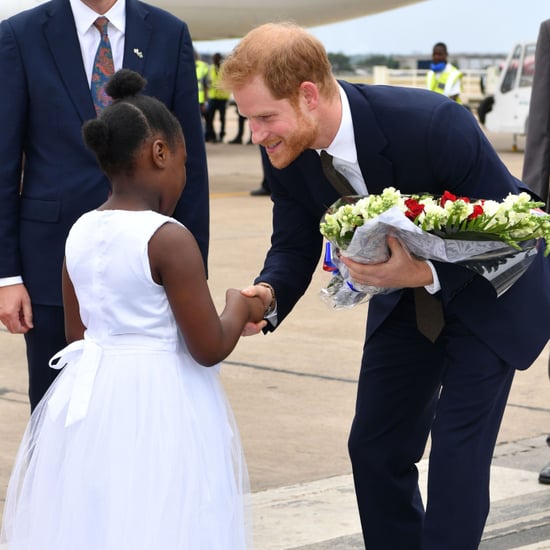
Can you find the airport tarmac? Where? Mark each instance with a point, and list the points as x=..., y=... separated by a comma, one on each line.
x=293, y=393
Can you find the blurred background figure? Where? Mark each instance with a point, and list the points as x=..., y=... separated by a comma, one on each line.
x=443, y=77
x=201, y=67
x=217, y=101
x=536, y=161
x=264, y=189
x=238, y=139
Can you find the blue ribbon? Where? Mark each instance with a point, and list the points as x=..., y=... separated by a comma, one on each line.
x=331, y=267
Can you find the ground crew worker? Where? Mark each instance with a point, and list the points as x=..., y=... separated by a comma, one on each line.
x=443, y=77
x=217, y=101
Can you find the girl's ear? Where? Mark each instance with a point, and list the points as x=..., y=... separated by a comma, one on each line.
x=159, y=153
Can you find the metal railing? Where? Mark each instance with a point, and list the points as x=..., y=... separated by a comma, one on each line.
x=476, y=83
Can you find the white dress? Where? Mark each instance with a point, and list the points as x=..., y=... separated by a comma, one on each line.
x=134, y=447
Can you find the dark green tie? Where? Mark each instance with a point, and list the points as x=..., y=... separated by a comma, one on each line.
x=429, y=314
x=338, y=180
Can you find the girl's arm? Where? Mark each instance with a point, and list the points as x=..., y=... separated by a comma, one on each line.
x=176, y=264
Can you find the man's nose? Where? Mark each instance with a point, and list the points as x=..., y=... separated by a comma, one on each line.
x=258, y=134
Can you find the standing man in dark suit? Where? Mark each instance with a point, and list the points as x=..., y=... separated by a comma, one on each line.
x=455, y=385
x=536, y=161
x=48, y=178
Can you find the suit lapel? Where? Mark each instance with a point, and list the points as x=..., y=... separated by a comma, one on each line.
x=377, y=170
x=61, y=36
x=137, y=37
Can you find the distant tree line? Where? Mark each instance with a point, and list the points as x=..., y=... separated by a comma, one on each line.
x=344, y=63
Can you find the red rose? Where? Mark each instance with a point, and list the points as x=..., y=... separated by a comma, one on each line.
x=447, y=196
x=478, y=211
x=414, y=209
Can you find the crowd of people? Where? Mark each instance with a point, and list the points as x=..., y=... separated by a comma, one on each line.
x=131, y=442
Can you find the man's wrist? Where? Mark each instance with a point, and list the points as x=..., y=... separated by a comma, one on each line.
x=271, y=307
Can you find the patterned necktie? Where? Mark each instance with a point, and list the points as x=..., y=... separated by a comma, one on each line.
x=104, y=67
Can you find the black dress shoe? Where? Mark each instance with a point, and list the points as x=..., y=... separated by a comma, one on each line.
x=259, y=192
x=544, y=475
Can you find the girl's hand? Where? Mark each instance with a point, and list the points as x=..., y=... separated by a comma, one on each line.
x=253, y=328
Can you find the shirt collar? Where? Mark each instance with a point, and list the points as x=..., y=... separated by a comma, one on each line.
x=84, y=16
x=343, y=144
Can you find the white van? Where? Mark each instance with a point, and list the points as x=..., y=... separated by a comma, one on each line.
x=507, y=110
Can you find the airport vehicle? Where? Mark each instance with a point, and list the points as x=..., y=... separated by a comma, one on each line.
x=218, y=19
x=507, y=109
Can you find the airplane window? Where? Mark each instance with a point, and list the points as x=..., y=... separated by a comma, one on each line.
x=526, y=78
x=511, y=71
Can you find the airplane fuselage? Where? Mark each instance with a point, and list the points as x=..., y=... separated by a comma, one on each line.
x=218, y=19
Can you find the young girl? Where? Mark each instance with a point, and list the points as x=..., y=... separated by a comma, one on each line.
x=134, y=447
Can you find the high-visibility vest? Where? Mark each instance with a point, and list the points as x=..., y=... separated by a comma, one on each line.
x=213, y=91
x=444, y=81
x=201, y=69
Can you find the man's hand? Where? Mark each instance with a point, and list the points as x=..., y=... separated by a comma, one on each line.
x=264, y=294
x=401, y=270
x=15, y=308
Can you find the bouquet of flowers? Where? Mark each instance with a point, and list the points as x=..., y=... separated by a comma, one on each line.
x=498, y=240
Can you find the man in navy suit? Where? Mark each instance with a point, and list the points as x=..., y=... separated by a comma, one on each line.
x=48, y=178
x=454, y=387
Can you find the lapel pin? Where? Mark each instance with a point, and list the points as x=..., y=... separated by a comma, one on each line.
x=138, y=53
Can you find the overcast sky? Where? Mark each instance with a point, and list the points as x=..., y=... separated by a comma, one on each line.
x=467, y=26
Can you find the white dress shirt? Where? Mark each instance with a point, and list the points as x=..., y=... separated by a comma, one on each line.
x=343, y=149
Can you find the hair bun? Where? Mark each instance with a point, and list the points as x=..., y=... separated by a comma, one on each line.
x=125, y=83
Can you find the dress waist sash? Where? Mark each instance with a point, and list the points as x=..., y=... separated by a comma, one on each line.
x=81, y=361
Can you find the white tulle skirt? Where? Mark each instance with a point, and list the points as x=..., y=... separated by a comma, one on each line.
x=155, y=464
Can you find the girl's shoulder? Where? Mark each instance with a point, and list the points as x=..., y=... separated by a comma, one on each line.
x=138, y=226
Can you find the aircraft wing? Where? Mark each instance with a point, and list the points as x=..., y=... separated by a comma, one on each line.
x=220, y=19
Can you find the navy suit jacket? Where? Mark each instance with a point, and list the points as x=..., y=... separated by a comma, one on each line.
x=413, y=140
x=44, y=100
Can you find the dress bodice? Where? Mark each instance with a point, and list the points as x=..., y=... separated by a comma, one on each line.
x=108, y=263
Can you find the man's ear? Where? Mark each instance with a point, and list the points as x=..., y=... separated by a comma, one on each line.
x=159, y=153
x=310, y=93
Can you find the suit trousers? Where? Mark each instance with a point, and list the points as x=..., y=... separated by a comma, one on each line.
x=43, y=341
x=456, y=389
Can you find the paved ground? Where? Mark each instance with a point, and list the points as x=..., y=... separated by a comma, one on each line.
x=293, y=394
